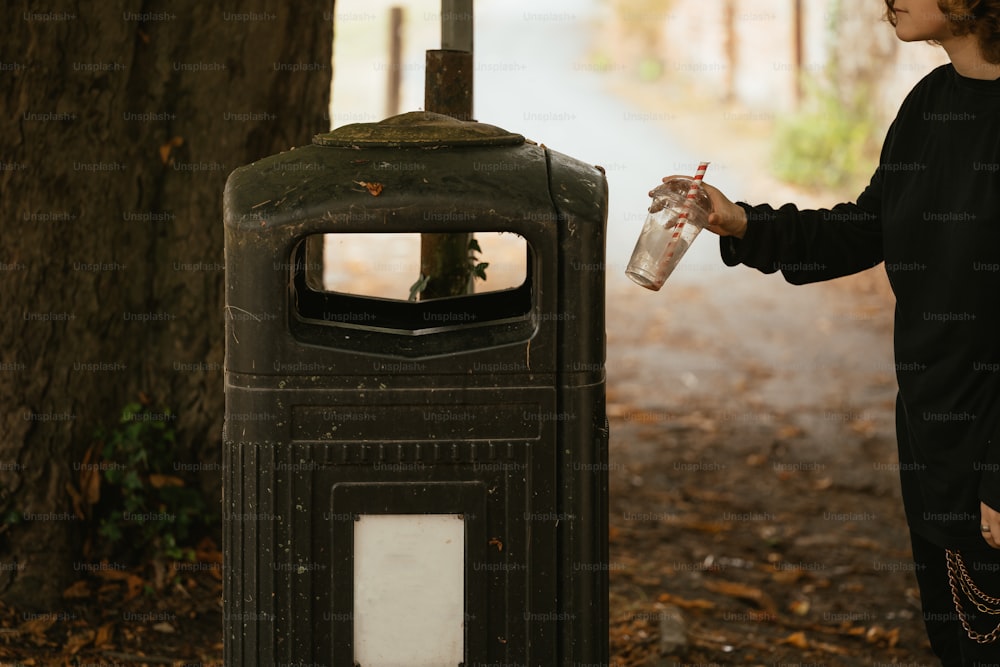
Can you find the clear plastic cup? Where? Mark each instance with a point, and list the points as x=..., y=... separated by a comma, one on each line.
x=657, y=252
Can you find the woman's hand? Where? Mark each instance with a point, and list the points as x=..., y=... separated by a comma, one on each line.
x=726, y=218
x=989, y=524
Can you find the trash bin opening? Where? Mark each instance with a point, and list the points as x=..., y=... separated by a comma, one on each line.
x=388, y=265
x=367, y=280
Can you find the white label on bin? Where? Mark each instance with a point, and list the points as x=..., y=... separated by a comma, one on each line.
x=409, y=590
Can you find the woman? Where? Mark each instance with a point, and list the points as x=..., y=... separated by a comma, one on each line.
x=932, y=214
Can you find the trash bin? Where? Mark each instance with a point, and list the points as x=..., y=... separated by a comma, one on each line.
x=419, y=483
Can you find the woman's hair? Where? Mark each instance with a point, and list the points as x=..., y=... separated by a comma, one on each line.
x=977, y=17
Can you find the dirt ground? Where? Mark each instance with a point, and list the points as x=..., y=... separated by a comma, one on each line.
x=755, y=495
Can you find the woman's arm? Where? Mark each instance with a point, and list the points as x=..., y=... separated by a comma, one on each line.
x=805, y=245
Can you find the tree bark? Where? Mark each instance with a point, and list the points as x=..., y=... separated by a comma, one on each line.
x=120, y=126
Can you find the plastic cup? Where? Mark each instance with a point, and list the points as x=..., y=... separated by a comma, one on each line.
x=659, y=247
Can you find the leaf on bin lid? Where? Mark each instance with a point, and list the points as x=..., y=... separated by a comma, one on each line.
x=374, y=189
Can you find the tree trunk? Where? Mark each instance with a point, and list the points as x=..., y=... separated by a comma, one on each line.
x=120, y=126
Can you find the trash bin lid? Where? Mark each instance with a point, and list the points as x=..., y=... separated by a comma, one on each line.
x=418, y=128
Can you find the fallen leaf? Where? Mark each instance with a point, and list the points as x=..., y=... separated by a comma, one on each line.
x=799, y=607
x=494, y=541
x=683, y=603
x=135, y=586
x=829, y=648
x=160, y=481
x=164, y=627
x=789, y=431
x=78, y=590
x=168, y=147
x=743, y=592
x=76, y=642
x=877, y=634
x=374, y=189
x=823, y=484
x=864, y=427
x=104, y=634
x=208, y=546
x=798, y=640
x=787, y=576
x=37, y=626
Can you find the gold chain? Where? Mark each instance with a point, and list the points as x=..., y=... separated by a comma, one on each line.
x=958, y=573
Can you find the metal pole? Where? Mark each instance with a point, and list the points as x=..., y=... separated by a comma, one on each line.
x=456, y=25
x=445, y=267
x=449, y=81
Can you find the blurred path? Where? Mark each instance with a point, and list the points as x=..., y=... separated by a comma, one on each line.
x=734, y=337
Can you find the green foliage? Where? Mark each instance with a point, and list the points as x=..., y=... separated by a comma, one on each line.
x=829, y=144
x=418, y=287
x=11, y=516
x=475, y=268
x=478, y=268
x=145, y=505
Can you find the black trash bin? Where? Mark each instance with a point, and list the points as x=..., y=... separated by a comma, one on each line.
x=416, y=483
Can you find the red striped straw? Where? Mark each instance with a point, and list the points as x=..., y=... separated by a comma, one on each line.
x=692, y=193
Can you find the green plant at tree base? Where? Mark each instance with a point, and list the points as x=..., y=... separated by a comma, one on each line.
x=148, y=508
x=828, y=145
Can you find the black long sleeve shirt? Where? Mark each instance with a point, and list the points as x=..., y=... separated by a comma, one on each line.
x=931, y=213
